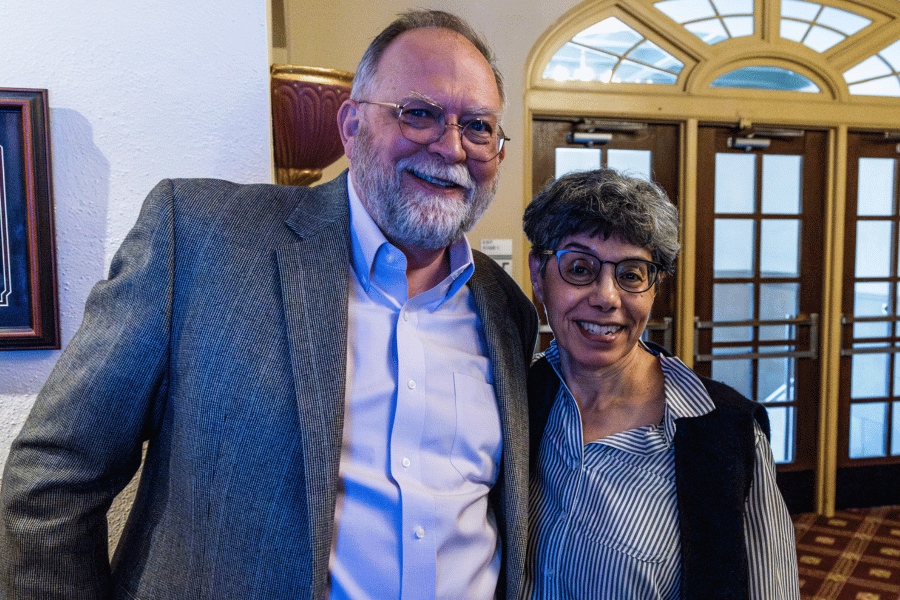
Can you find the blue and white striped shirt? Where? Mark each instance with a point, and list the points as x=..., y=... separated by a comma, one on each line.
x=604, y=515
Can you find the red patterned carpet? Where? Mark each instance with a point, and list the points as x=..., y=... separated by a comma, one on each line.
x=853, y=556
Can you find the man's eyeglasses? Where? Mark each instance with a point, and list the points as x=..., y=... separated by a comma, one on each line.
x=580, y=268
x=424, y=123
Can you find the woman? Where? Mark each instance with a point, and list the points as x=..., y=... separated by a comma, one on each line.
x=647, y=480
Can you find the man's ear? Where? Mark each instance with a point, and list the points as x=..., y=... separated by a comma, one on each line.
x=348, y=125
x=537, y=280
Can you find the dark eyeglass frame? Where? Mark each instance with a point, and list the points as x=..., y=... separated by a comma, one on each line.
x=654, y=269
x=405, y=127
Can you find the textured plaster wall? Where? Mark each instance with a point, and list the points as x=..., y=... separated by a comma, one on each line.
x=140, y=90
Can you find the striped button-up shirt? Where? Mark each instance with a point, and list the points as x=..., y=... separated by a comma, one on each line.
x=605, y=517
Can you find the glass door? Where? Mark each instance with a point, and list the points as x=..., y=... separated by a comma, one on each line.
x=758, y=290
x=869, y=436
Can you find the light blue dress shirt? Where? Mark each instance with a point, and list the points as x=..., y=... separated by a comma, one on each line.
x=422, y=437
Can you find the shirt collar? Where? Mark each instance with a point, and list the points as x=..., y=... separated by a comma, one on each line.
x=374, y=258
x=685, y=394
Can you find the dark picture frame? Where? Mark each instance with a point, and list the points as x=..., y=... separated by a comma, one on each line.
x=29, y=304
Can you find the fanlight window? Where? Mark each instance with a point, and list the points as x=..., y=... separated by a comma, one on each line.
x=611, y=51
x=711, y=20
x=877, y=75
x=816, y=26
x=766, y=78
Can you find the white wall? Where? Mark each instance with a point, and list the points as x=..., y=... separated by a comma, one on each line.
x=139, y=90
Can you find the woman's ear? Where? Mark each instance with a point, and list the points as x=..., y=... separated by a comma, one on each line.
x=537, y=280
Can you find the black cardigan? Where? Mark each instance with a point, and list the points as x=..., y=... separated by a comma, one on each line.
x=714, y=459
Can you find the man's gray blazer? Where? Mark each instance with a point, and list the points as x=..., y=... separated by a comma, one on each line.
x=220, y=336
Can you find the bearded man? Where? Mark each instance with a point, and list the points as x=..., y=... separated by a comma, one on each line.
x=329, y=381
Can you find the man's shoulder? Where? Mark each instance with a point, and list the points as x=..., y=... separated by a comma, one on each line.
x=231, y=204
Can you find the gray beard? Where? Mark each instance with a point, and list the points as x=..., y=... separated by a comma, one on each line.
x=410, y=217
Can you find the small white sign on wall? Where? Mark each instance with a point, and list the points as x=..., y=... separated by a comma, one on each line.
x=500, y=251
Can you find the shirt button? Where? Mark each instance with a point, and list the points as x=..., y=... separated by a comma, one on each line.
x=390, y=258
x=420, y=532
x=405, y=316
x=411, y=384
x=405, y=462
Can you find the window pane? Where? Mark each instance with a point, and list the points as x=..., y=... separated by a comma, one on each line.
x=574, y=63
x=734, y=7
x=778, y=301
x=892, y=55
x=871, y=299
x=870, y=376
x=576, y=159
x=781, y=184
x=579, y=64
x=736, y=373
x=895, y=431
x=793, y=30
x=766, y=78
x=611, y=35
x=821, y=39
x=631, y=162
x=799, y=10
x=868, y=426
x=739, y=26
x=873, y=248
x=780, y=248
x=776, y=378
x=781, y=425
x=896, y=382
x=651, y=54
x=732, y=302
x=734, y=248
x=868, y=69
x=875, y=191
x=686, y=10
x=842, y=20
x=710, y=32
x=735, y=183
x=886, y=86
x=631, y=72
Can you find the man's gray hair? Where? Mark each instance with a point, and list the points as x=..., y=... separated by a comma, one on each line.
x=604, y=203
x=407, y=21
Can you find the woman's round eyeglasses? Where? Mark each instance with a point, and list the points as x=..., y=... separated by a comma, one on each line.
x=633, y=275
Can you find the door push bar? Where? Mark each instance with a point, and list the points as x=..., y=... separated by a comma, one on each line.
x=812, y=321
x=871, y=349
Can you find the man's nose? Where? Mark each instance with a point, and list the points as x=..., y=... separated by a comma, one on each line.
x=450, y=145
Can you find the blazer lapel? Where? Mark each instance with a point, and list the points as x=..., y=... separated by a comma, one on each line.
x=314, y=282
x=507, y=351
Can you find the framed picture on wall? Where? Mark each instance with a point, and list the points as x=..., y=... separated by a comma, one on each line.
x=29, y=307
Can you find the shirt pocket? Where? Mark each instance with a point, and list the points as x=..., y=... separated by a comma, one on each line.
x=632, y=513
x=478, y=440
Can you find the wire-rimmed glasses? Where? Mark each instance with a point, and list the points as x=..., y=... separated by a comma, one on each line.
x=424, y=122
x=633, y=275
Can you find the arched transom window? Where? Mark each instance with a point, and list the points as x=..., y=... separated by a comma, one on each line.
x=621, y=49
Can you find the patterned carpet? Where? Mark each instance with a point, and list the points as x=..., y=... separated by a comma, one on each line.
x=853, y=556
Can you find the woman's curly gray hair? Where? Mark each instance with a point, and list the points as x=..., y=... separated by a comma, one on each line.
x=604, y=203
